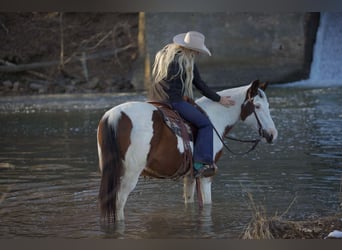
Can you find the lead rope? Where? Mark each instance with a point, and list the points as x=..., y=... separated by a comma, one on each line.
x=199, y=193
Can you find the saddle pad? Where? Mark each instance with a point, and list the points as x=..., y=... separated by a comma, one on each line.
x=174, y=121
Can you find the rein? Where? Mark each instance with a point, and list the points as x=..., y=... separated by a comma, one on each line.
x=256, y=142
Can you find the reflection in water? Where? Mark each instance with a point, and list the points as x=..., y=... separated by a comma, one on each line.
x=49, y=178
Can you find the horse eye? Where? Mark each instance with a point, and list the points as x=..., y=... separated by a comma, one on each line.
x=257, y=106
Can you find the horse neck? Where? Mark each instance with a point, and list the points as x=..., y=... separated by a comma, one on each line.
x=224, y=117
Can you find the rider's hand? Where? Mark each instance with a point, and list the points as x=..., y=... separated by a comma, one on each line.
x=226, y=101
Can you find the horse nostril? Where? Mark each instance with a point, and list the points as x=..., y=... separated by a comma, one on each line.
x=270, y=138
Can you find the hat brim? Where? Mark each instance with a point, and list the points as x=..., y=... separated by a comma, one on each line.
x=179, y=39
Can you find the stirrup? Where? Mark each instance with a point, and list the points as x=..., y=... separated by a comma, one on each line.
x=205, y=171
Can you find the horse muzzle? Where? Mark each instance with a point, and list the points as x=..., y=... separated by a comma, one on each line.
x=269, y=135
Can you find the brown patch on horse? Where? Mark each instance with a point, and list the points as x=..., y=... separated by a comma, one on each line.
x=125, y=127
x=247, y=107
x=227, y=130
x=164, y=159
x=219, y=153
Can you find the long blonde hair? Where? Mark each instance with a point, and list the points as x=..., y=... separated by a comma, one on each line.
x=164, y=57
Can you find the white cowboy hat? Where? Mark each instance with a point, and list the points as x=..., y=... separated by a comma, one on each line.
x=192, y=40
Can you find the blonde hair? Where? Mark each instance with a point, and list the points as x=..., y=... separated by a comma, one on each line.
x=185, y=59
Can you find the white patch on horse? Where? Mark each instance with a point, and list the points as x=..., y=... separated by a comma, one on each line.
x=100, y=156
x=206, y=190
x=140, y=114
x=141, y=134
x=180, y=144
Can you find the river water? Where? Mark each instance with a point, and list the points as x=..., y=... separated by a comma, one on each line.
x=49, y=176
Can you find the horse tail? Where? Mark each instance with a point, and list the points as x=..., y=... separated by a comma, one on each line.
x=111, y=168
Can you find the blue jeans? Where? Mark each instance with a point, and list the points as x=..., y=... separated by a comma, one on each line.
x=203, y=148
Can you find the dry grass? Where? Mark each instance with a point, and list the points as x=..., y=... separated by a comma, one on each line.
x=262, y=226
x=259, y=226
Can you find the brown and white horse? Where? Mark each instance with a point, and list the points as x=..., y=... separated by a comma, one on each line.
x=133, y=138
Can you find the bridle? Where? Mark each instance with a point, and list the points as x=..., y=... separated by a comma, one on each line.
x=260, y=129
x=249, y=105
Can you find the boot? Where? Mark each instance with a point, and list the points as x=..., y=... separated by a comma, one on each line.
x=207, y=170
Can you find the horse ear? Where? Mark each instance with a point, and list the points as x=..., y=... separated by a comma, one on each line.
x=263, y=85
x=253, y=90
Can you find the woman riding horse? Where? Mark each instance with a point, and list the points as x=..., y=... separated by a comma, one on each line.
x=174, y=74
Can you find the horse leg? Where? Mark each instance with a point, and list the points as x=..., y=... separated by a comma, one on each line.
x=189, y=189
x=206, y=190
x=128, y=182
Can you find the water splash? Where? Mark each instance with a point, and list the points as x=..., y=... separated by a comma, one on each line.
x=326, y=68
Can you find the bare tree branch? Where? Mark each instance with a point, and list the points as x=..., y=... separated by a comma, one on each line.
x=30, y=66
x=61, y=63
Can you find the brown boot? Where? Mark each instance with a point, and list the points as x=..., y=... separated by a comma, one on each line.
x=205, y=171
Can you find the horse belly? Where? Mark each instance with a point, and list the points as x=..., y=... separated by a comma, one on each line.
x=164, y=165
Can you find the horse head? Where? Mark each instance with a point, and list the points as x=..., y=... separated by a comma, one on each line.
x=255, y=111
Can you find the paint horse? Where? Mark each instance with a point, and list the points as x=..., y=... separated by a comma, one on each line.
x=133, y=140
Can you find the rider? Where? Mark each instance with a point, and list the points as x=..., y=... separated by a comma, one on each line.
x=174, y=73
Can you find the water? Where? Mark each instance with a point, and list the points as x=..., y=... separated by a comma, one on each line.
x=49, y=176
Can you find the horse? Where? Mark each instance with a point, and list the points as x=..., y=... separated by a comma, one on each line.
x=133, y=140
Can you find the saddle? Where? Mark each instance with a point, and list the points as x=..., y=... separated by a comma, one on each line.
x=181, y=128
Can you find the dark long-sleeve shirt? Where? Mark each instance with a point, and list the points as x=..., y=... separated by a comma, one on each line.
x=174, y=84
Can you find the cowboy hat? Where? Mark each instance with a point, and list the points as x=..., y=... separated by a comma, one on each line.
x=192, y=40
